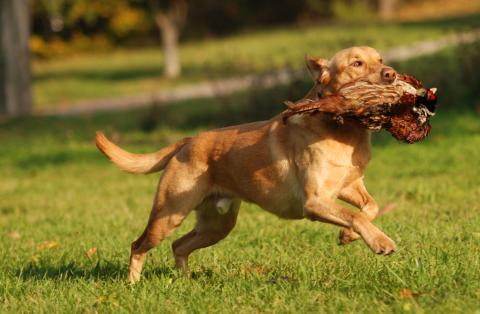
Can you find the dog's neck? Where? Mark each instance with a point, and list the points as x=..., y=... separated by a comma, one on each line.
x=317, y=91
x=314, y=93
x=345, y=144
x=346, y=131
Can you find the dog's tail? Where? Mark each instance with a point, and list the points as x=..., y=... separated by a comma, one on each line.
x=137, y=163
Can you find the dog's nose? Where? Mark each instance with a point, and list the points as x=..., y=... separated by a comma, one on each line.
x=388, y=74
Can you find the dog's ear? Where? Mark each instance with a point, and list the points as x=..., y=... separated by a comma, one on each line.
x=318, y=68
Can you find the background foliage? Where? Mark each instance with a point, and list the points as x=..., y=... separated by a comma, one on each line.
x=65, y=27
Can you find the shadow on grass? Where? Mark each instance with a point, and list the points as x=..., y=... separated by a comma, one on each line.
x=101, y=74
x=103, y=270
x=72, y=270
x=190, y=71
x=38, y=161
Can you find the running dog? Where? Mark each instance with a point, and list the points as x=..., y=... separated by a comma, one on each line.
x=294, y=170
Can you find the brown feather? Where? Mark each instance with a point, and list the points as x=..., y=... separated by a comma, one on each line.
x=373, y=106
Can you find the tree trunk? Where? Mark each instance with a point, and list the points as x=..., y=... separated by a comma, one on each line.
x=170, y=49
x=15, y=75
x=169, y=21
x=386, y=9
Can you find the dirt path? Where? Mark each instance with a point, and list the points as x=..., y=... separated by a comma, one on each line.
x=237, y=84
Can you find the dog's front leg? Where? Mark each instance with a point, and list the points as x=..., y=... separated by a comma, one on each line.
x=357, y=195
x=323, y=208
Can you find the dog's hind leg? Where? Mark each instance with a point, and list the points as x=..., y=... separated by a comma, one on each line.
x=212, y=226
x=180, y=190
x=357, y=195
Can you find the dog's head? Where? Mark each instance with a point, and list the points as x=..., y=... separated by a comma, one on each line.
x=346, y=66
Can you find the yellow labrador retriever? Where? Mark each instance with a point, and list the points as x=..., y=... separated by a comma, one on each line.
x=294, y=170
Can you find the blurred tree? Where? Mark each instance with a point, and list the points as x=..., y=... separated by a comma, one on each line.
x=315, y=9
x=170, y=18
x=54, y=11
x=65, y=27
x=386, y=9
x=15, y=77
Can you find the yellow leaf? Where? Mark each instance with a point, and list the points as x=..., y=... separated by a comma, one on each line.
x=47, y=245
x=101, y=299
x=35, y=258
x=407, y=293
x=90, y=252
x=14, y=235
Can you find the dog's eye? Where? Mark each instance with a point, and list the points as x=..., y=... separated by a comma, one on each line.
x=357, y=64
x=381, y=61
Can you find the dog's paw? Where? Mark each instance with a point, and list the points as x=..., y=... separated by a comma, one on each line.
x=181, y=264
x=347, y=235
x=381, y=244
x=135, y=268
x=133, y=277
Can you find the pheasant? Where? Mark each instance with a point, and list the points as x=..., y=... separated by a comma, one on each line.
x=403, y=107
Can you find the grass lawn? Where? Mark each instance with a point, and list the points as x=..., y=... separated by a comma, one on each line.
x=59, y=198
x=124, y=72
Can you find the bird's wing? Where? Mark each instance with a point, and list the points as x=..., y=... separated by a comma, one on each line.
x=358, y=98
x=362, y=95
x=330, y=104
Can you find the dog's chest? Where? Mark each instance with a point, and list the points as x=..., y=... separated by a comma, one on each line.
x=335, y=164
x=343, y=154
x=332, y=164
x=285, y=196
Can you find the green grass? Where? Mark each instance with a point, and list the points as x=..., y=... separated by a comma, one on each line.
x=124, y=72
x=55, y=186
